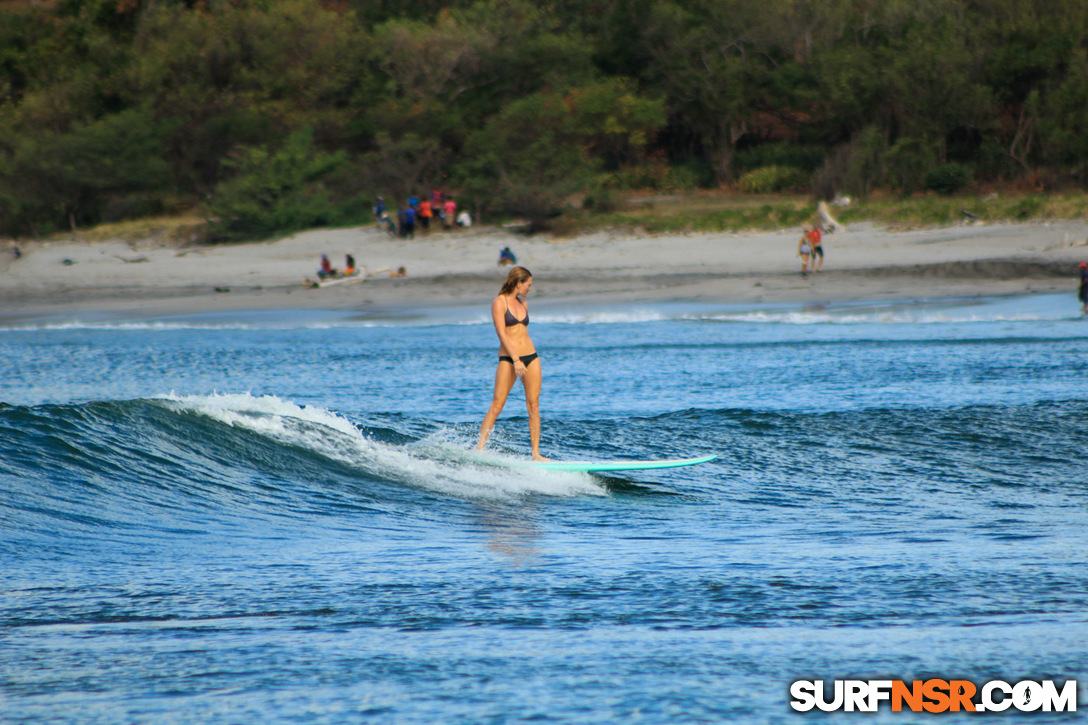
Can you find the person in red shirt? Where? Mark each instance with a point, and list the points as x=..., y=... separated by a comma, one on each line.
x=449, y=211
x=327, y=269
x=817, y=237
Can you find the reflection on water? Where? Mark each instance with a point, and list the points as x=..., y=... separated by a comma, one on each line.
x=511, y=530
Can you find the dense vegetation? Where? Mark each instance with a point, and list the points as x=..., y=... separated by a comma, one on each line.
x=273, y=115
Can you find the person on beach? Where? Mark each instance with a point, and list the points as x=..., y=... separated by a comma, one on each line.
x=804, y=251
x=425, y=215
x=327, y=270
x=1082, y=291
x=817, y=238
x=400, y=222
x=449, y=209
x=379, y=210
x=386, y=222
x=409, y=228
x=517, y=356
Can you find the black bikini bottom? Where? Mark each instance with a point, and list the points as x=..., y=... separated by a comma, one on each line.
x=525, y=359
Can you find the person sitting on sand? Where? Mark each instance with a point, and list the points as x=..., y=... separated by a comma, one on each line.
x=327, y=269
x=804, y=250
x=506, y=257
x=386, y=222
x=349, y=265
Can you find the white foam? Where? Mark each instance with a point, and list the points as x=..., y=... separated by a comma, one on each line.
x=445, y=466
x=602, y=317
x=1019, y=310
x=124, y=326
x=887, y=317
x=282, y=324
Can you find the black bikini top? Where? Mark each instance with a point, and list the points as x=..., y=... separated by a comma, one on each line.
x=511, y=320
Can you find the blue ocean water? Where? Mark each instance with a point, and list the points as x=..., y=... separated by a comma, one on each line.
x=277, y=518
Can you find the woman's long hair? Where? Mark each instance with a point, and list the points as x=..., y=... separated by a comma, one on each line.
x=516, y=276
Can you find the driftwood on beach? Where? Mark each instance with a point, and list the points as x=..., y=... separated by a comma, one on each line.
x=827, y=221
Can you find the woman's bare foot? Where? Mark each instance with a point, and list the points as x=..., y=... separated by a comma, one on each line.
x=538, y=457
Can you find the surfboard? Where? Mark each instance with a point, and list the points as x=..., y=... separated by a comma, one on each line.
x=603, y=466
x=357, y=276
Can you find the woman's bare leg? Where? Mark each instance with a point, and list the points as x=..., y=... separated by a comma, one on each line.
x=532, y=381
x=504, y=381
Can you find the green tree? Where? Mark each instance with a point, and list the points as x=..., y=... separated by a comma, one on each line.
x=69, y=179
x=444, y=76
x=541, y=149
x=522, y=103
x=400, y=167
x=712, y=58
x=276, y=191
x=226, y=74
x=934, y=82
x=1062, y=115
x=427, y=68
x=1029, y=46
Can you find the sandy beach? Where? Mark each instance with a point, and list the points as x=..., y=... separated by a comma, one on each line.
x=70, y=278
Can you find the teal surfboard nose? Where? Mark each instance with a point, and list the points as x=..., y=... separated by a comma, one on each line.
x=602, y=466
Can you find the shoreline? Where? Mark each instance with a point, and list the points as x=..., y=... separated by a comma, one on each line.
x=72, y=279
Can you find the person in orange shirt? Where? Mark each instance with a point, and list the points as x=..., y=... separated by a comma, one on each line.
x=425, y=214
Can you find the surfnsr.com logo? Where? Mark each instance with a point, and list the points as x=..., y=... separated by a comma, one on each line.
x=934, y=696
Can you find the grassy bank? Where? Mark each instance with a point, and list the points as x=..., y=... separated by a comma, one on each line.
x=725, y=212
x=165, y=230
x=709, y=211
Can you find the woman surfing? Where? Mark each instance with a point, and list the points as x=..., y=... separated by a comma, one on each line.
x=517, y=356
